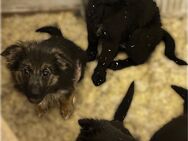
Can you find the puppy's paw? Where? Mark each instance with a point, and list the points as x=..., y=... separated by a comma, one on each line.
x=121, y=64
x=114, y=65
x=41, y=111
x=66, y=111
x=99, y=77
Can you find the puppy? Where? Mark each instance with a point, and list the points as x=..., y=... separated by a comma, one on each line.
x=130, y=26
x=176, y=129
x=103, y=130
x=47, y=71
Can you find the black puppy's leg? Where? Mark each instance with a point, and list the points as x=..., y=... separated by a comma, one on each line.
x=139, y=47
x=170, y=49
x=109, y=51
x=120, y=64
x=92, y=45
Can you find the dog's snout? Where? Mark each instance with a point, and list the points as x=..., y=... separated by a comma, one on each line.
x=35, y=91
x=34, y=80
x=34, y=94
x=34, y=85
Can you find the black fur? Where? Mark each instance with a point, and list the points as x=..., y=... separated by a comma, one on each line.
x=103, y=130
x=132, y=26
x=176, y=129
x=183, y=93
x=123, y=108
x=53, y=31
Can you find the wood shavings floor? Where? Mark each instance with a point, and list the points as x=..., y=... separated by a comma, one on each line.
x=154, y=103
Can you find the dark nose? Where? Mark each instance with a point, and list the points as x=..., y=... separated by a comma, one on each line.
x=35, y=90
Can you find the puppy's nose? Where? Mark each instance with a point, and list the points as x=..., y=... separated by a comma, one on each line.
x=35, y=91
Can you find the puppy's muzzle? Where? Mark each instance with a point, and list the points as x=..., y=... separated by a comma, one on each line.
x=35, y=95
x=35, y=91
x=35, y=100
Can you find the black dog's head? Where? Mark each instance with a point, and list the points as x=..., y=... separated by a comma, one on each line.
x=40, y=68
x=104, y=130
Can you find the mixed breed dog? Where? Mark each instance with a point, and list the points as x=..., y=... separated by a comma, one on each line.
x=48, y=71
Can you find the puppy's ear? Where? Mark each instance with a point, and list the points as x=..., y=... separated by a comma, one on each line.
x=123, y=108
x=62, y=59
x=89, y=126
x=52, y=30
x=86, y=123
x=183, y=93
x=13, y=55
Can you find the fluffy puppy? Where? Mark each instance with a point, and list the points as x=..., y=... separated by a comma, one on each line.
x=47, y=71
x=103, y=130
x=131, y=26
x=176, y=129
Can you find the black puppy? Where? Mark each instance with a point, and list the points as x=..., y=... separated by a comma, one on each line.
x=47, y=71
x=175, y=130
x=103, y=130
x=131, y=26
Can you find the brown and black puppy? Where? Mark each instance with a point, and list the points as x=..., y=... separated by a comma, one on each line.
x=47, y=71
x=176, y=129
x=104, y=130
x=130, y=26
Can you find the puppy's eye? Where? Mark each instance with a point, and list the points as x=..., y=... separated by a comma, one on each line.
x=27, y=70
x=46, y=72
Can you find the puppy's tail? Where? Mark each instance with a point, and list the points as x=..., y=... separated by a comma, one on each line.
x=183, y=93
x=52, y=30
x=123, y=108
x=170, y=48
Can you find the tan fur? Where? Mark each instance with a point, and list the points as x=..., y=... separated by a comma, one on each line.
x=64, y=99
x=53, y=78
x=77, y=73
x=61, y=58
x=18, y=76
x=61, y=99
x=67, y=106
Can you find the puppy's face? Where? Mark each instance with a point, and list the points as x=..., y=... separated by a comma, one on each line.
x=36, y=78
x=37, y=70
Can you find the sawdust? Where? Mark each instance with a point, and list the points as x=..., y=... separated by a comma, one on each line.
x=154, y=103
